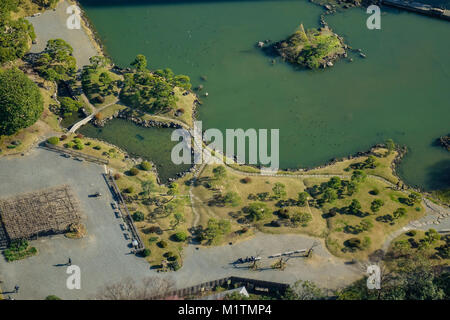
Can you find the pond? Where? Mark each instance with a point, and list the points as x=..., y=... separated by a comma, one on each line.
x=152, y=144
x=399, y=91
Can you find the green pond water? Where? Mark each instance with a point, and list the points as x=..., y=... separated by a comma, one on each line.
x=400, y=91
x=140, y=142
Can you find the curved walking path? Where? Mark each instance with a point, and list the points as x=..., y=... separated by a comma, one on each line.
x=437, y=217
x=186, y=127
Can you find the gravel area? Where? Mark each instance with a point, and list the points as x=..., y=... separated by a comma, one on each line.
x=52, y=25
x=103, y=255
x=217, y=262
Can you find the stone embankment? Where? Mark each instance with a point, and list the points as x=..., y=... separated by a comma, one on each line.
x=419, y=8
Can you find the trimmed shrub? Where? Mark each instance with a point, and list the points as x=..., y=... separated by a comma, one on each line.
x=246, y=180
x=19, y=249
x=146, y=166
x=332, y=212
x=134, y=171
x=78, y=146
x=99, y=99
x=180, y=236
x=175, y=265
x=366, y=243
x=411, y=233
x=146, y=252
x=162, y=244
x=138, y=216
x=353, y=243
x=284, y=213
x=400, y=212
x=169, y=254
x=275, y=223
x=376, y=205
x=154, y=229
x=257, y=211
x=301, y=218
x=117, y=176
x=53, y=140
x=129, y=190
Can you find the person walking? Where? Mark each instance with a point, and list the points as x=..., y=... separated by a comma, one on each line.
x=70, y=262
x=16, y=288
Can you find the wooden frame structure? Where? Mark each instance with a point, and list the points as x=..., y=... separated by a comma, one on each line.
x=44, y=212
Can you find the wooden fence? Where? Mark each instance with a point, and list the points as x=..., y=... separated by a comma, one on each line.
x=74, y=153
x=124, y=210
x=252, y=286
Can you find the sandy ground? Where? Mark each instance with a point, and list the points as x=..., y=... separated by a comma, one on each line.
x=103, y=255
x=52, y=25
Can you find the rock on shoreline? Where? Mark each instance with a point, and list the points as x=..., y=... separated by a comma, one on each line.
x=444, y=141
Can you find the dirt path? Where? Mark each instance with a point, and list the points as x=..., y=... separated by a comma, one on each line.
x=437, y=217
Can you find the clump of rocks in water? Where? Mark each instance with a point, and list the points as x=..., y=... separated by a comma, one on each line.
x=444, y=141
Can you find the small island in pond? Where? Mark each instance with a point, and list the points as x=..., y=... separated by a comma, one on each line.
x=313, y=48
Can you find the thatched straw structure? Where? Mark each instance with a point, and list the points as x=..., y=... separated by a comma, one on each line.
x=44, y=212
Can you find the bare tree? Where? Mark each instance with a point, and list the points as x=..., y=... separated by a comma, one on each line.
x=147, y=289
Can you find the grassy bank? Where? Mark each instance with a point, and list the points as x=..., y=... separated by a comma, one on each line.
x=329, y=219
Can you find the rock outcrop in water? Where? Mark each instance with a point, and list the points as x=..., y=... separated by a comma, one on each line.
x=445, y=141
x=314, y=48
